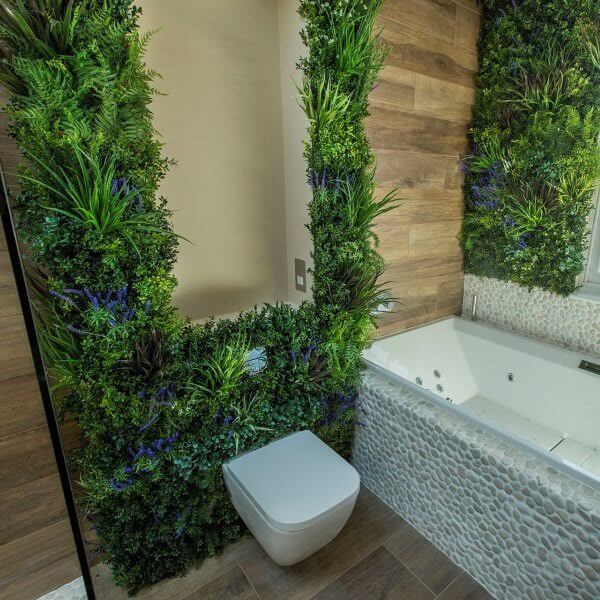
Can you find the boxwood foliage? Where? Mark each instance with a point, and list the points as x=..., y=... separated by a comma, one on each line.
x=534, y=157
x=162, y=403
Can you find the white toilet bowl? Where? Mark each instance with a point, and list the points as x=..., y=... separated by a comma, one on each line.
x=294, y=495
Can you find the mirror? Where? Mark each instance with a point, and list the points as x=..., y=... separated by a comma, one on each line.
x=231, y=120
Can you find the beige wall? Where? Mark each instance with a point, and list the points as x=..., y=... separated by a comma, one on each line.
x=299, y=242
x=222, y=121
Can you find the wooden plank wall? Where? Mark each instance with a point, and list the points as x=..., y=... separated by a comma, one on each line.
x=37, y=552
x=420, y=115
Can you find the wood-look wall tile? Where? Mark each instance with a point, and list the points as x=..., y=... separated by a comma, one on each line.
x=393, y=238
x=403, y=169
x=436, y=17
x=21, y=407
x=31, y=506
x=394, y=129
x=419, y=52
x=38, y=563
x=25, y=457
x=454, y=174
x=467, y=27
x=417, y=272
x=435, y=239
x=417, y=205
x=450, y=294
x=434, y=97
x=9, y=299
x=395, y=89
x=412, y=302
x=15, y=353
x=474, y=5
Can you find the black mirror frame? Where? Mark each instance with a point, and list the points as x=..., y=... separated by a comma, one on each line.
x=40, y=372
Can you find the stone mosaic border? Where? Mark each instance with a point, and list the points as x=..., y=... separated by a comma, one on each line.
x=572, y=322
x=521, y=528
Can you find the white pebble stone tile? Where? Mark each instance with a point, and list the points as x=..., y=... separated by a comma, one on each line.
x=572, y=322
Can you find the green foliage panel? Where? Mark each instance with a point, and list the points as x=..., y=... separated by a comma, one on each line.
x=162, y=403
x=534, y=158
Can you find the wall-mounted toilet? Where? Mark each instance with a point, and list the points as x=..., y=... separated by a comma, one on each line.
x=295, y=495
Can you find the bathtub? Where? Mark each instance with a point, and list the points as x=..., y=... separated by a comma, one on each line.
x=533, y=394
x=488, y=443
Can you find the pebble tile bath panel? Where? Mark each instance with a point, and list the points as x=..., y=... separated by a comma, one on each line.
x=520, y=527
x=572, y=322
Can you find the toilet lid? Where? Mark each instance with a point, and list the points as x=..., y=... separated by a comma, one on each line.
x=295, y=481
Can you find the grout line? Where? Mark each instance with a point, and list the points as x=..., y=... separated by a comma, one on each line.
x=410, y=570
x=462, y=571
x=249, y=580
x=452, y=582
x=461, y=3
x=424, y=31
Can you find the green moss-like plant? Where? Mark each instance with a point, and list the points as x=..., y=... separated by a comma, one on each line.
x=161, y=403
x=535, y=158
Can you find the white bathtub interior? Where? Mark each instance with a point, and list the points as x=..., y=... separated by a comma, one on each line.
x=534, y=390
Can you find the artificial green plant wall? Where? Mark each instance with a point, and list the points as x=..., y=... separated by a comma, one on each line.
x=534, y=158
x=161, y=403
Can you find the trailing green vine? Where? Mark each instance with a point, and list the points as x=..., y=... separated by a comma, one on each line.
x=535, y=158
x=161, y=403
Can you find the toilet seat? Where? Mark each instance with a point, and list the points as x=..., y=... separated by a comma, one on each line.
x=295, y=482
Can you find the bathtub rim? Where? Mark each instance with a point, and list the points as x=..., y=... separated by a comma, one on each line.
x=576, y=472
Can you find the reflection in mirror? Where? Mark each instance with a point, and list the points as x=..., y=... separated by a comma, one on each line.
x=238, y=191
x=232, y=121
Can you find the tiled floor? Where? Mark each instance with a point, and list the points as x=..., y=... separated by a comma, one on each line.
x=377, y=556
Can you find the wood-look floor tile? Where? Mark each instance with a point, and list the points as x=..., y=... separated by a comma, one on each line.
x=465, y=588
x=38, y=563
x=15, y=352
x=423, y=559
x=25, y=457
x=369, y=526
x=30, y=507
x=379, y=576
x=21, y=408
x=232, y=585
x=177, y=588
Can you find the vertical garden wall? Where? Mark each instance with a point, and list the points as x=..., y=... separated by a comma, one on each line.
x=534, y=159
x=162, y=403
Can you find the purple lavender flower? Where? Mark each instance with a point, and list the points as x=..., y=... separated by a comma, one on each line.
x=336, y=406
x=74, y=329
x=522, y=243
x=119, y=184
x=63, y=298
